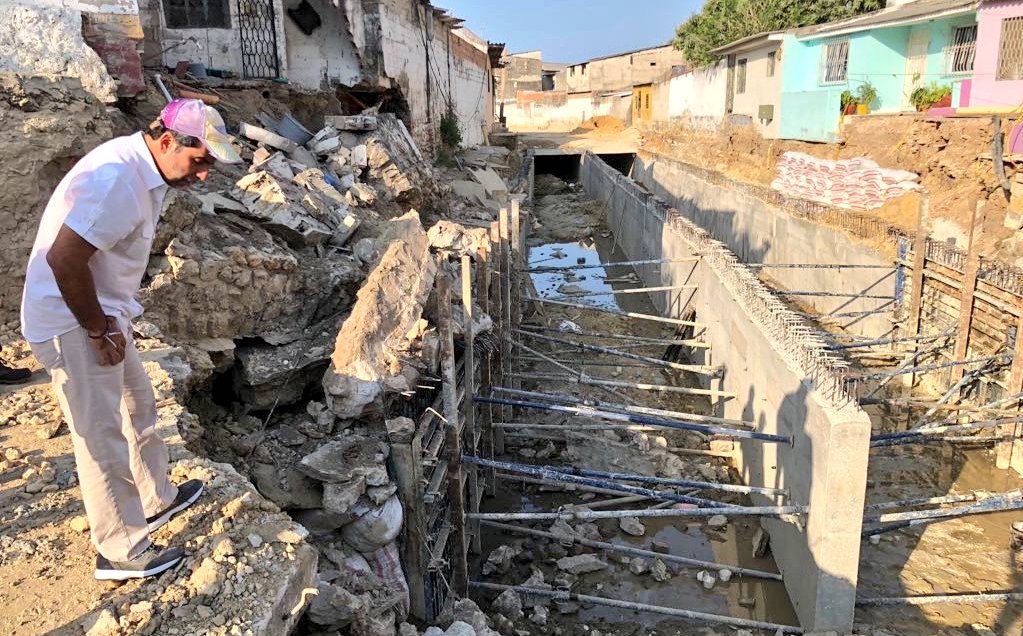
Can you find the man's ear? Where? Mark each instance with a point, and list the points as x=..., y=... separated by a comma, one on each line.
x=167, y=142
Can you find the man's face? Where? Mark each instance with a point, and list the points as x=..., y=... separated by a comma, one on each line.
x=182, y=165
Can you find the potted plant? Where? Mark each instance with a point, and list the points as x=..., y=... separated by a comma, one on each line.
x=865, y=96
x=933, y=95
x=848, y=103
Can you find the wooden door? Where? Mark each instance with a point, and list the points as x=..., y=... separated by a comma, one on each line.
x=916, y=61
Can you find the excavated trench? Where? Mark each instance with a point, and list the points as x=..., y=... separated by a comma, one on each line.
x=968, y=554
x=561, y=210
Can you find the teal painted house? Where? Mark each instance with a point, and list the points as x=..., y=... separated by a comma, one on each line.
x=897, y=49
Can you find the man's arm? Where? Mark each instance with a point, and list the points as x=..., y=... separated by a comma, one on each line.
x=69, y=259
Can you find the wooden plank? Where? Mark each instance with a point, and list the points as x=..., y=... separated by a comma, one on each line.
x=506, y=311
x=406, y=462
x=1009, y=453
x=483, y=275
x=962, y=345
x=469, y=388
x=453, y=445
x=919, y=263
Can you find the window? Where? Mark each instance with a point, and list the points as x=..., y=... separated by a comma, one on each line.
x=740, y=77
x=835, y=62
x=772, y=57
x=1010, y=50
x=191, y=14
x=961, y=51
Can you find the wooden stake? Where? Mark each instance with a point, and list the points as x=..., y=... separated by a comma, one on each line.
x=483, y=275
x=407, y=463
x=969, y=286
x=453, y=435
x=919, y=263
x=506, y=313
x=469, y=405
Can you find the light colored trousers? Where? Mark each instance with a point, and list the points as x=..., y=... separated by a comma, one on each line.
x=122, y=462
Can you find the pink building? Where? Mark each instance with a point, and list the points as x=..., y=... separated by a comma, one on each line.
x=997, y=83
x=998, y=69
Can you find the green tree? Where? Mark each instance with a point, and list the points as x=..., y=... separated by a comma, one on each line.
x=722, y=21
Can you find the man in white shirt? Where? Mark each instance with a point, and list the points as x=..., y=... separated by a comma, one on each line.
x=89, y=257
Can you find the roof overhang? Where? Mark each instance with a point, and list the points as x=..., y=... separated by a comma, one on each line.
x=904, y=15
x=749, y=43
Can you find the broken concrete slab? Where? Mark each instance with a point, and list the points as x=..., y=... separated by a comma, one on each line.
x=448, y=236
x=349, y=224
x=273, y=204
x=276, y=164
x=339, y=498
x=214, y=202
x=492, y=182
x=326, y=146
x=265, y=136
x=632, y=526
x=287, y=487
x=470, y=190
x=363, y=192
x=581, y=564
x=344, y=460
x=351, y=122
x=360, y=156
x=366, y=362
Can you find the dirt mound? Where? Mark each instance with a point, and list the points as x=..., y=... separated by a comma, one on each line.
x=603, y=123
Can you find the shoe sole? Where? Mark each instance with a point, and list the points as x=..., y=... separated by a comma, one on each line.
x=157, y=523
x=124, y=575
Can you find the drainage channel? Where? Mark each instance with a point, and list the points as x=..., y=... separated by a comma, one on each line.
x=710, y=566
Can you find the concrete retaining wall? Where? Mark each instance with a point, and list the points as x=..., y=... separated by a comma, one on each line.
x=783, y=383
x=758, y=231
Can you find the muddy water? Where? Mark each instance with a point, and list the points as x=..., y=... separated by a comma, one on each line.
x=969, y=554
x=732, y=544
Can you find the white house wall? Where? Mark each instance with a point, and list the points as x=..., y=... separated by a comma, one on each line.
x=468, y=85
x=760, y=89
x=216, y=48
x=325, y=56
x=699, y=95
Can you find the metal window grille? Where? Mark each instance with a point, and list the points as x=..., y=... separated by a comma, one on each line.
x=835, y=62
x=772, y=59
x=740, y=77
x=1010, y=50
x=257, y=29
x=190, y=14
x=959, y=55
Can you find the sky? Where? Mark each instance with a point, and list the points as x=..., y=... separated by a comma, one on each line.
x=572, y=30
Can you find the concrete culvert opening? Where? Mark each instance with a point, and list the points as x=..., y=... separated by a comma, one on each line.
x=620, y=161
x=559, y=164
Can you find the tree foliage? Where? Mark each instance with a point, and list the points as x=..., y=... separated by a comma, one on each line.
x=722, y=21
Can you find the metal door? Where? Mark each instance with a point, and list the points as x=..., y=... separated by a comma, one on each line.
x=257, y=28
x=916, y=61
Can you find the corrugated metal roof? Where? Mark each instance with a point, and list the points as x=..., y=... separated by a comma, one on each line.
x=917, y=11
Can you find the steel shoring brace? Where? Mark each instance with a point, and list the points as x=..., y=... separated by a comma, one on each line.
x=918, y=434
x=640, y=419
x=995, y=503
x=669, y=611
x=967, y=597
x=546, y=473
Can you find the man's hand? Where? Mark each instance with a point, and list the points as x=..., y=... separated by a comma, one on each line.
x=109, y=343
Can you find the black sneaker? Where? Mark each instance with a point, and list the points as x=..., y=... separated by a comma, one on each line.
x=10, y=375
x=153, y=560
x=188, y=492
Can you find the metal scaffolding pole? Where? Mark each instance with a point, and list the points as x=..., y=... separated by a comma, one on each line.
x=641, y=607
x=642, y=419
x=691, y=368
x=628, y=549
x=623, y=314
x=568, y=268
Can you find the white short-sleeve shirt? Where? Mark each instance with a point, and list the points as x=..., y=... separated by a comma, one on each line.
x=111, y=198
